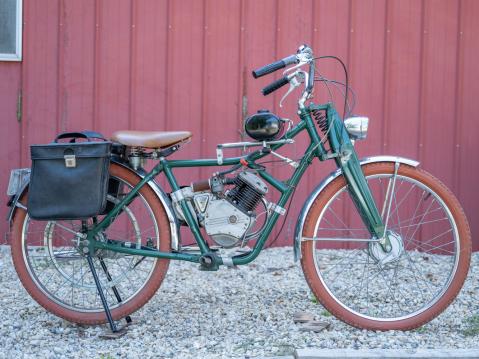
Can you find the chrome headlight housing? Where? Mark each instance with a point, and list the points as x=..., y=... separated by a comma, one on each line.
x=357, y=127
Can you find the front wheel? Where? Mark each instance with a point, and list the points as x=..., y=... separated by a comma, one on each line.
x=52, y=267
x=405, y=287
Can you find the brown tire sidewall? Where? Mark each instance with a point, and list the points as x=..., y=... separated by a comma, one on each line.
x=319, y=290
x=140, y=299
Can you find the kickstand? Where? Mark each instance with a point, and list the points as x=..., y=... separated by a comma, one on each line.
x=115, y=332
x=115, y=291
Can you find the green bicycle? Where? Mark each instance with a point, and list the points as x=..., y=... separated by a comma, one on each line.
x=383, y=244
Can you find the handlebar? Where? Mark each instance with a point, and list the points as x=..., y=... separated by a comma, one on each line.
x=275, y=85
x=265, y=70
x=304, y=56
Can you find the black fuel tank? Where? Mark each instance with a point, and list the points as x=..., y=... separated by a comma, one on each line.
x=264, y=125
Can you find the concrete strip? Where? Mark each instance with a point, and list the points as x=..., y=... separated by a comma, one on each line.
x=387, y=353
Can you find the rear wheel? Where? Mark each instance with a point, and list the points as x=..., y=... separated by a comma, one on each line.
x=368, y=287
x=49, y=261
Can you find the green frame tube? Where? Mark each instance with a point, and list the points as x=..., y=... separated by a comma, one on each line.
x=352, y=172
x=340, y=145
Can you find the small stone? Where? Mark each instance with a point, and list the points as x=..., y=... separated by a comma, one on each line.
x=220, y=315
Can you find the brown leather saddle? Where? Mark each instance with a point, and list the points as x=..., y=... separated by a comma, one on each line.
x=151, y=139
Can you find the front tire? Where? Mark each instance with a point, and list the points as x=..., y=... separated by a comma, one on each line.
x=55, y=273
x=361, y=286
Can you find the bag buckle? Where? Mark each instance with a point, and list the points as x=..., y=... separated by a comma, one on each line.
x=70, y=161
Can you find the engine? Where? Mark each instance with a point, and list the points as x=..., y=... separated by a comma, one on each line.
x=226, y=214
x=248, y=191
x=225, y=223
x=228, y=219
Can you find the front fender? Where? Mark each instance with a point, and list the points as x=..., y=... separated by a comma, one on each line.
x=163, y=198
x=317, y=191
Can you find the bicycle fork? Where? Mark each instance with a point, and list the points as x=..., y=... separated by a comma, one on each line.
x=347, y=160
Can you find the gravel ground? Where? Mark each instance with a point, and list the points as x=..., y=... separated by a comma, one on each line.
x=232, y=313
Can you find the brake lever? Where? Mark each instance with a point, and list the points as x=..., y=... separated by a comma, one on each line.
x=295, y=67
x=293, y=83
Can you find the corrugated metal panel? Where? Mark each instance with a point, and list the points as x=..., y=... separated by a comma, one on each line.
x=467, y=128
x=401, y=122
x=164, y=65
x=10, y=77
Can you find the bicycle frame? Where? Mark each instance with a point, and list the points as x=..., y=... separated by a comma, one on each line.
x=341, y=150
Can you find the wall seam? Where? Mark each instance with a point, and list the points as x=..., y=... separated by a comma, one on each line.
x=386, y=83
x=203, y=89
x=275, y=233
x=420, y=144
x=96, y=64
x=309, y=179
x=346, y=213
x=61, y=91
x=24, y=84
x=132, y=68
x=350, y=23
x=167, y=63
x=456, y=166
x=241, y=62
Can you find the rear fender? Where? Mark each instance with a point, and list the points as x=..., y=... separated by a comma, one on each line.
x=14, y=201
x=161, y=195
x=332, y=176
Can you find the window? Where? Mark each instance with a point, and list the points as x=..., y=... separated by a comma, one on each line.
x=10, y=30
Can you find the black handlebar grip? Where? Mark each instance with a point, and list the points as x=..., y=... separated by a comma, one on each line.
x=274, y=66
x=268, y=69
x=275, y=85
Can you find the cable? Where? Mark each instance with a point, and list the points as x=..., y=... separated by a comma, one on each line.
x=345, y=75
x=350, y=89
x=331, y=99
x=336, y=84
x=325, y=82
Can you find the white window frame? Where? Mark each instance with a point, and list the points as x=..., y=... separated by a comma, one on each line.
x=17, y=56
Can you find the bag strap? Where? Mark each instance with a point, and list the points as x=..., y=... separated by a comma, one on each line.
x=88, y=135
x=93, y=134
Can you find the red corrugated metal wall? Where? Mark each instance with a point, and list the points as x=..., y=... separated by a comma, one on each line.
x=164, y=65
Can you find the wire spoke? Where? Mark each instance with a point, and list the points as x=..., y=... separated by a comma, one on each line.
x=57, y=262
x=406, y=284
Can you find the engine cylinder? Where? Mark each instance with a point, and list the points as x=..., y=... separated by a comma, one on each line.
x=248, y=191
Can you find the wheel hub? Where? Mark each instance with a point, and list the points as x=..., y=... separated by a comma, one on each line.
x=383, y=257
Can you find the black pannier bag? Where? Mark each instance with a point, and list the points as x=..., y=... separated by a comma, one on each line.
x=69, y=180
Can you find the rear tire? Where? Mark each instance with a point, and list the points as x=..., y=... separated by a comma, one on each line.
x=60, y=261
x=354, y=308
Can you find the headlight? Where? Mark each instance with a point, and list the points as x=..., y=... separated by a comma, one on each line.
x=357, y=127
